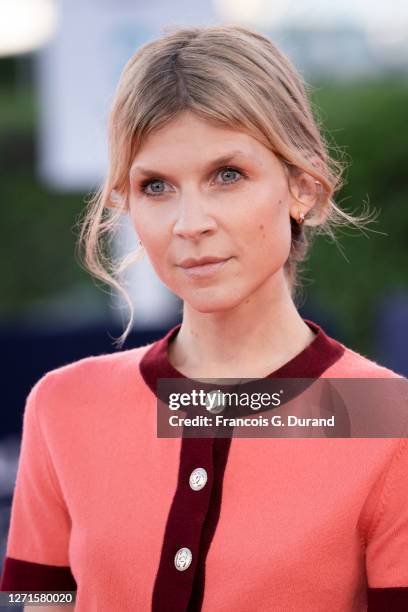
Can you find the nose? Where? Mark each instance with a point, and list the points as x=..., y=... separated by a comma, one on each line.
x=193, y=218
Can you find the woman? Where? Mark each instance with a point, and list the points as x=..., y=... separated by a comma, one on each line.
x=216, y=157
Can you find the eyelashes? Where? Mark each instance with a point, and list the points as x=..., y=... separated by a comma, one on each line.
x=142, y=187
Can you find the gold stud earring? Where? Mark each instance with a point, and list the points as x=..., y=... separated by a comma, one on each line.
x=301, y=218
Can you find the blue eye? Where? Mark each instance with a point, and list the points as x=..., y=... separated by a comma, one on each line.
x=153, y=182
x=230, y=170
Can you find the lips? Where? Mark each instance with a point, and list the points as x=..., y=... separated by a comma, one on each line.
x=202, y=261
x=205, y=270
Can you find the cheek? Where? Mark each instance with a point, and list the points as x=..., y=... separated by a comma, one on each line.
x=148, y=231
x=273, y=220
x=134, y=219
x=270, y=235
x=156, y=250
x=156, y=242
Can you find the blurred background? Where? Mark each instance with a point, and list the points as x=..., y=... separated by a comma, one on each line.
x=59, y=64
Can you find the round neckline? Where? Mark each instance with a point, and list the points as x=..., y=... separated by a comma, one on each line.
x=180, y=374
x=310, y=362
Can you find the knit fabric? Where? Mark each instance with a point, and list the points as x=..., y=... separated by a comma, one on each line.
x=101, y=505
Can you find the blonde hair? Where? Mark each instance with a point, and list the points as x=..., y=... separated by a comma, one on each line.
x=231, y=76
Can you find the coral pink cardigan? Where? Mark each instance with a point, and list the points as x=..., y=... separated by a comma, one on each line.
x=102, y=505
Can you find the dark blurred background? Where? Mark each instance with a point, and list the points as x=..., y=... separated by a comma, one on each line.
x=52, y=312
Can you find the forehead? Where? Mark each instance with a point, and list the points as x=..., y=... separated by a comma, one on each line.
x=191, y=138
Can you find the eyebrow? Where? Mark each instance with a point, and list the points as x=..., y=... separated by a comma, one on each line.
x=219, y=161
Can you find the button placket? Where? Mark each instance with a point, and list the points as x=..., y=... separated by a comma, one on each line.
x=180, y=550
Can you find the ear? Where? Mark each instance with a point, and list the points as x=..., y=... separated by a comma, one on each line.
x=304, y=189
x=116, y=200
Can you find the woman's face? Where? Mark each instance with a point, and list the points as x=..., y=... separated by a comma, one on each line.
x=186, y=202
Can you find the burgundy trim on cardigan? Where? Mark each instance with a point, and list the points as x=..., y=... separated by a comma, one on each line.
x=185, y=524
x=311, y=362
x=21, y=575
x=194, y=515
x=387, y=599
x=221, y=449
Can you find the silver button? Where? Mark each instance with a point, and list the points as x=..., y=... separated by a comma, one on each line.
x=198, y=479
x=183, y=558
x=215, y=402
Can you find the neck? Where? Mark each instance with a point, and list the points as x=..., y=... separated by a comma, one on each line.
x=249, y=341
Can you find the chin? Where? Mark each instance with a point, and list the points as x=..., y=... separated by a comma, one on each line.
x=211, y=303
